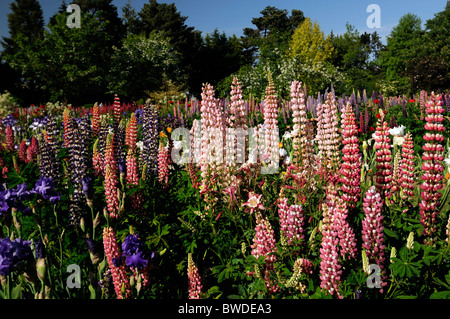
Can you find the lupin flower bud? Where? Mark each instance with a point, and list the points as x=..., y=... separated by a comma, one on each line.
x=195, y=283
x=410, y=241
x=447, y=230
x=41, y=269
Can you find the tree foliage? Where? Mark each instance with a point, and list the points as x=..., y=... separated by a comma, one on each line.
x=25, y=21
x=309, y=43
x=140, y=64
x=113, y=54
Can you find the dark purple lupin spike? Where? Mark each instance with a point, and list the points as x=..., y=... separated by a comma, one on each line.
x=78, y=166
x=150, y=138
x=366, y=120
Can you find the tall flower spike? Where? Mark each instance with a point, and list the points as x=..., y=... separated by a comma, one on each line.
x=351, y=159
x=271, y=123
x=407, y=168
x=238, y=113
x=132, y=170
x=163, y=165
x=22, y=153
x=302, y=132
x=330, y=265
x=237, y=125
x=111, y=179
x=195, y=282
x=97, y=162
x=264, y=244
x=212, y=144
x=9, y=139
x=95, y=119
x=67, y=124
x=320, y=136
x=383, y=157
x=328, y=133
x=53, y=135
x=373, y=231
x=48, y=162
x=117, y=109
x=291, y=221
x=78, y=168
x=432, y=166
x=150, y=138
x=339, y=211
x=119, y=274
x=131, y=132
x=33, y=150
x=331, y=126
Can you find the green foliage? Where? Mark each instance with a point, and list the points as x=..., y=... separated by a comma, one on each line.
x=402, y=46
x=140, y=64
x=309, y=44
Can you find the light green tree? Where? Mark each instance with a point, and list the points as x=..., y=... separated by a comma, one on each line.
x=309, y=44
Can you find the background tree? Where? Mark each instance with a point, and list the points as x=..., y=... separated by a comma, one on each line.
x=221, y=56
x=184, y=39
x=141, y=64
x=356, y=55
x=429, y=69
x=130, y=18
x=402, y=46
x=25, y=21
x=309, y=44
x=273, y=31
x=69, y=63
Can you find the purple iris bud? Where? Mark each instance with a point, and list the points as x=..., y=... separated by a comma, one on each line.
x=86, y=183
x=39, y=249
x=122, y=167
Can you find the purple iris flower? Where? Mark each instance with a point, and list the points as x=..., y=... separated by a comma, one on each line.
x=13, y=254
x=46, y=188
x=135, y=252
x=13, y=198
